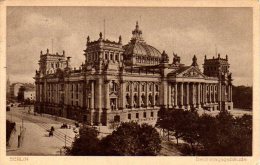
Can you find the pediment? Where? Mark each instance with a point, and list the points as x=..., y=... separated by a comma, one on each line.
x=113, y=94
x=191, y=72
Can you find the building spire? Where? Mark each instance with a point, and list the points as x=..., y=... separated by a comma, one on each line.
x=137, y=33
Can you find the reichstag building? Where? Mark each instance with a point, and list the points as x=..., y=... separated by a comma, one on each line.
x=132, y=82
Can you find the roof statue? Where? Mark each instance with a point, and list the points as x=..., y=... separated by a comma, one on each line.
x=164, y=58
x=176, y=59
x=194, y=61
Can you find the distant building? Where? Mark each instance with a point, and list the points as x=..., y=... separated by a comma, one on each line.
x=14, y=89
x=132, y=82
x=29, y=93
x=22, y=90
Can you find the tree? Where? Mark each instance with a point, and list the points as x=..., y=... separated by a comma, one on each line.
x=177, y=122
x=242, y=135
x=164, y=121
x=190, y=129
x=207, y=130
x=132, y=139
x=242, y=97
x=225, y=135
x=20, y=96
x=86, y=143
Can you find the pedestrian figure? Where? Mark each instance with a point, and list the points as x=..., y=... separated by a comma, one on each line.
x=50, y=133
x=52, y=128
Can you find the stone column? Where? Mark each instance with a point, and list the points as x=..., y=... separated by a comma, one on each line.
x=169, y=96
x=139, y=95
x=187, y=96
x=122, y=94
x=164, y=93
x=107, y=98
x=153, y=93
x=92, y=103
x=98, y=100
x=40, y=93
x=231, y=93
x=175, y=95
x=219, y=95
x=193, y=95
x=198, y=102
x=92, y=95
x=214, y=94
x=210, y=99
x=147, y=94
x=132, y=94
x=181, y=86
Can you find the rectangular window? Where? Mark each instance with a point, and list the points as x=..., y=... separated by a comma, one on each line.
x=137, y=115
x=129, y=116
x=144, y=114
x=151, y=114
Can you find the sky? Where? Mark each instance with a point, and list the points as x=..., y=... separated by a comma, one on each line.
x=185, y=31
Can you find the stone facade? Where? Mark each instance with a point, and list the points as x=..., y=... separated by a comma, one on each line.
x=130, y=82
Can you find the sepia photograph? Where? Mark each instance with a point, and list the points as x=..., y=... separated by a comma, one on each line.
x=129, y=81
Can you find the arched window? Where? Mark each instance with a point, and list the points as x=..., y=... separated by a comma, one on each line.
x=106, y=55
x=143, y=100
x=135, y=101
x=135, y=87
x=143, y=87
x=113, y=103
x=150, y=100
x=150, y=87
x=156, y=100
x=128, y=101
x=157, y=88
x=113, y=86
x=127, y=87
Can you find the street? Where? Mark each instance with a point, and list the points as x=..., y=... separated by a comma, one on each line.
x=36, y=140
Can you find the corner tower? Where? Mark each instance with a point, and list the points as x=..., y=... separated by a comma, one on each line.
x=49, y=63
x=219, y=67
x=103, y=54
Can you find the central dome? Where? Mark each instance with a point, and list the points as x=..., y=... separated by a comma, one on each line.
x=142, y=49
x=138, y=52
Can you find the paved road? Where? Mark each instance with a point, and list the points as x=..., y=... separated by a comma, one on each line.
x=36, y=140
